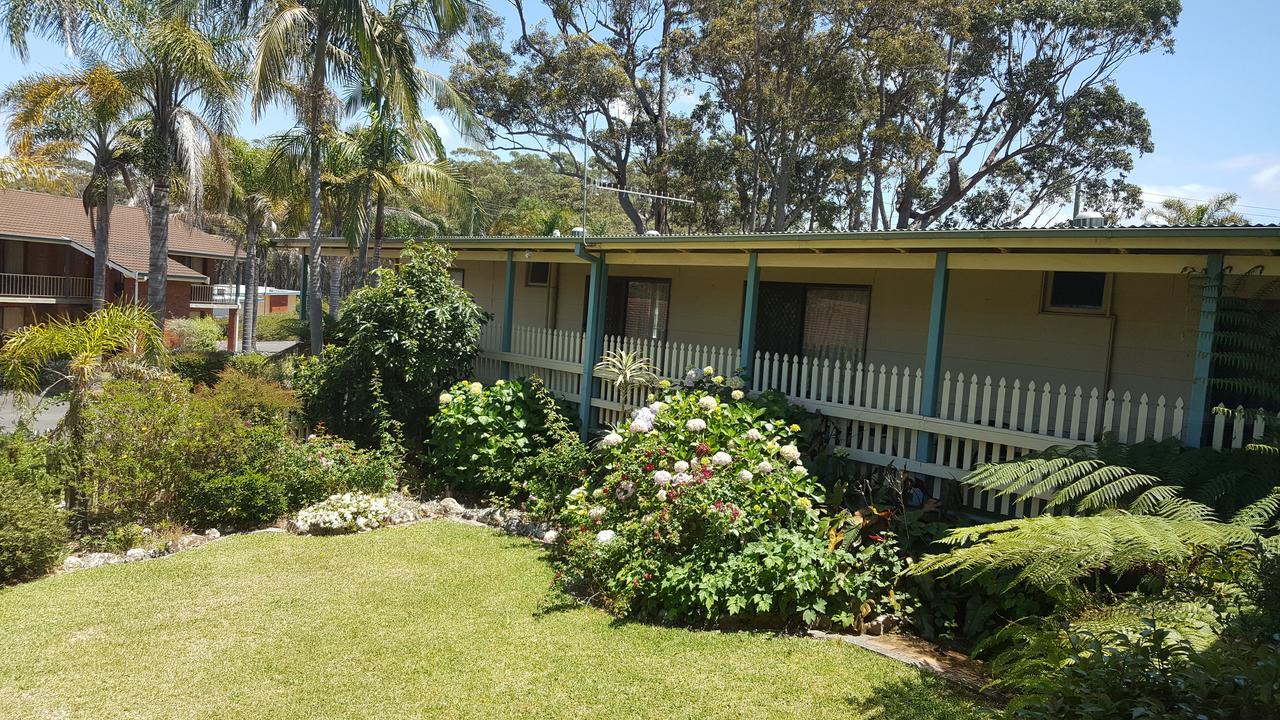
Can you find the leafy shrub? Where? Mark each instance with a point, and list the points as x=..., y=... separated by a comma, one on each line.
x=275, y=327
x=481, y=433
x=199, y=368
x=325, y=465
x=260, y=366
x=25, y=459
x=346, y=513
x=146, y=442
x=548, y=476
x=195, y=334
x=236, y=502
x=33, y=532
x=701, y=511
x=1154, y=674
x=253, y=398
x=415, y=329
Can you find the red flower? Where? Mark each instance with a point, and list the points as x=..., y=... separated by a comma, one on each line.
x=662, y=451
x=648, y=468
x=702, y=449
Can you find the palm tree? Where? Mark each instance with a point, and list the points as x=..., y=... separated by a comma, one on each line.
x=395, y=161
x=54, y=116
x=302, y=43
x=1217, y=211
x=261, y=193
x=169, y=55
x=113, y=334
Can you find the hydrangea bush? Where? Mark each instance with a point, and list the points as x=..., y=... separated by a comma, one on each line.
x=702, y=510
x=325, y=465
x=346, y=513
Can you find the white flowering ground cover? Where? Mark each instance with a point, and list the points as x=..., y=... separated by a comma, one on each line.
x=435, y=620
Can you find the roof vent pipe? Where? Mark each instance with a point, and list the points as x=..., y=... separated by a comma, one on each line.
x=1088, y=219
x=651, y=233
x=578, y=232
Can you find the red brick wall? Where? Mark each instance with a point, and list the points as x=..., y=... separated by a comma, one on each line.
x=177, y=296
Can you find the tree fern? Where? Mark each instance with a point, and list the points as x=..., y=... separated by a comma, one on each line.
x=1054, y=553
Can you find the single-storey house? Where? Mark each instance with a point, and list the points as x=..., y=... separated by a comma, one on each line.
x=46, y=260
x=932, y=350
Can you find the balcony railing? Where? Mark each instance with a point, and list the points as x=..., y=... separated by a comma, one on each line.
x=207, y=295
x=45, y=286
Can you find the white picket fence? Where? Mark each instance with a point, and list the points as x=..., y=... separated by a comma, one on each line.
x=873, y=410
x=1237, y=428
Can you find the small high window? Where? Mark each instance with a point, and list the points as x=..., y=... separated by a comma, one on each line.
x=1076, y=292
x=539, y=274
x=458, y=275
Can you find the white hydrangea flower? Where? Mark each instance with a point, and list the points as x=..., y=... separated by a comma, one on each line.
x=550, y=536
x=681, y=466
x=800, y=470
x=708, y=371
x=737, y=394
x=642, y=424
x=661, y=478
x=754, y=435
x=596, y=513
x=706, y=402
x=662, y=496
x=719, y=379
x=657, y=407
x=745, y=476
x=446, y=398
x=721, y=459
x=475, y=388
x=790, y=453
x=604, y=537
x=611, y=439
x=696, y=425
x=577, y=492
x=682, y=479
x=764, y=467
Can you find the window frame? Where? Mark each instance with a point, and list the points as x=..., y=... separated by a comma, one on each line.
x=461, y=278
x=586, y=300
x=1046, y=296
x=528, y=275
x=804, y=310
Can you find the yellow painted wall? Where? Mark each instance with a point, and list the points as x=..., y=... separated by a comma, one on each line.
x=995, y=324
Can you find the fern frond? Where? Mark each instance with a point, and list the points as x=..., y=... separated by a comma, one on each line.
x=1054, y=552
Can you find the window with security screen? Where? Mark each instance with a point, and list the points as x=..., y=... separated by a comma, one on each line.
x=827, y=321
x=636, y=307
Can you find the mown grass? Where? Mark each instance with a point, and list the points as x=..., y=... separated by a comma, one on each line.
x=436, y=620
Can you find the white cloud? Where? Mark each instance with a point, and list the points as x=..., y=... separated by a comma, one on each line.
x=1267, y=179
x=1247, y=161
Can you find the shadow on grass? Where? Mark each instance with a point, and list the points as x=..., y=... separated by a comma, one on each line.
x=919, y=697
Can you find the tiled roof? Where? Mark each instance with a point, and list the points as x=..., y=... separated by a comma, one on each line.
x=42, y=216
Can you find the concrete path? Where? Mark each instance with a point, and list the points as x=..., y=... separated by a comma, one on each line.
x=13, y=406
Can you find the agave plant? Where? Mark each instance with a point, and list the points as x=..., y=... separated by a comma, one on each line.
x=627, y=371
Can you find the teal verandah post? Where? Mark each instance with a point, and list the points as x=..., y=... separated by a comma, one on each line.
x=749, y=316
x=931, y=379
x=593, y=337
x=508, y=313
x=302, y=304
x=1198, y=409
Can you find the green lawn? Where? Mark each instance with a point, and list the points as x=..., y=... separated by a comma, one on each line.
x=436, y=620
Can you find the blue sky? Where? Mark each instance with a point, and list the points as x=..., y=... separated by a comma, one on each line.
x=1213, y=105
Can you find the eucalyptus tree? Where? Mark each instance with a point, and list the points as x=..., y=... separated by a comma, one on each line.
x=54, y=116
x=171, y=55
x=302, y=46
